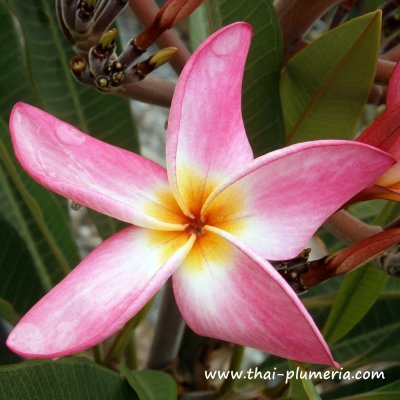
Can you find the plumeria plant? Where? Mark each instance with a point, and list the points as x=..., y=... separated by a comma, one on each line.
x=259, y=259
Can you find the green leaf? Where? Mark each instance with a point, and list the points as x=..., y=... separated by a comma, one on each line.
x=388, y=213
x=65, y=379
x=261, y=105
x=20, y=286
x=361, y=386
x=376, y=338
x=107, y=117
x=358, y=293
x=198, y=26
x=39, y=216
x=367, y=210
x=359, y=290
x=387, y=392
x=325, y=86
x=150, y=385
x=106, y=226
x=8, y=312
x=302, y=389
x=15, y=83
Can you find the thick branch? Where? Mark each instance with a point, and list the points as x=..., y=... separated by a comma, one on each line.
x=377, y=95
x=393, y=54
x=146, y=11
x=348, y=228
x=169, y=332
x=150, y=90
x=384, y=71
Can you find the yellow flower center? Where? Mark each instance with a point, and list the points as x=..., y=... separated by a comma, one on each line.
x=224, y=212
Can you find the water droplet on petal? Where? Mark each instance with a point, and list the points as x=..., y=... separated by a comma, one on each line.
x=69, y=135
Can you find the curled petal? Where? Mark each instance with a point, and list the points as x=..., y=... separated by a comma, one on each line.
x=393, y=91
x=225, y=291
x=92, y=173
x=363, y=251
x=278, y=201
x=384, y=134
x=376, y=192
x=101, y=294
x=206, y=139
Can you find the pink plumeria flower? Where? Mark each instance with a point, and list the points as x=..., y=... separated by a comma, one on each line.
x=211, y=219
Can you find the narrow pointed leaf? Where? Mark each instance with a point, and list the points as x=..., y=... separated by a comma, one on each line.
x=38, y=215
x=107, y=117
x=358, y=292
x=20, y=287
x=302, y=389
x=365, y=387
x=376, y=338
x=325, y=86
x=261, y=106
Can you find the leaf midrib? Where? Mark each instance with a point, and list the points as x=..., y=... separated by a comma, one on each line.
x=322, y=88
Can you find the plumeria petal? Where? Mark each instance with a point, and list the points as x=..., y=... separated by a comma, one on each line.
x=393, y=91
x=278, y=201
x=225, y=291
x=101, y=294
x=377, y=192
x=384, y=133
x=92, y=173
x=206, y=139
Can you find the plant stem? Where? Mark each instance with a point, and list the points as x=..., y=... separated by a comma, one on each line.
x=348, y=228
x=377, y=95
x=97, y=354
x=150, y=90
x=120, y=343
x=169, y=332
x=130, y=355
x=392, y=54
x=234, y=365
x=124, y=339
x=384, y=71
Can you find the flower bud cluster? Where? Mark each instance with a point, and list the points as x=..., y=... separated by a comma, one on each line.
x=86, y=24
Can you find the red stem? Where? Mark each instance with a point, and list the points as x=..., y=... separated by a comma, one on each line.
x=146, y=10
